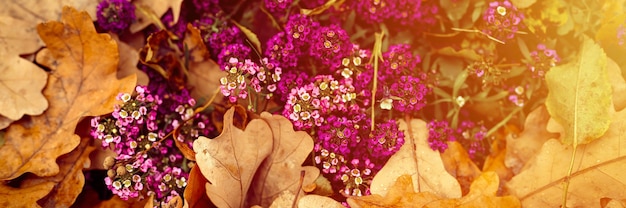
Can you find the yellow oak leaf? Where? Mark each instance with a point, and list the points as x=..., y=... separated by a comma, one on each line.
x=82, y=82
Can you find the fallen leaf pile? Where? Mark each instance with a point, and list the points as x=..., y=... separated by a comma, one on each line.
x=81, y=82
x=58, y=73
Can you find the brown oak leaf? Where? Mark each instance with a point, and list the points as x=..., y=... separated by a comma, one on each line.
x=230, y=161
x=204, y=73
x=20, y=86
x=417, y=159
x=195, y=192
x=82, y=82
x=149, y=11
x=281, y=170
x=457, y=162
x=23, y=196
x=317, y=201
x=70, y=180
x=129, y=57
x=23, y=16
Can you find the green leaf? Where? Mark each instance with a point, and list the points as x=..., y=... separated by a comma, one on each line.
x=254, y=40
x=580, y=95
x=455, y=8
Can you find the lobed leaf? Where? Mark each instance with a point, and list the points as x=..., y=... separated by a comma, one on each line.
x=230, y=161
x=82, y=82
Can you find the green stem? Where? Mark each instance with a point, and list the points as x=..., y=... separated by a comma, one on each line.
x=504, y=121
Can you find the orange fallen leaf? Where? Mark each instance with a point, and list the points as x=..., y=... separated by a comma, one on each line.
x=400, y=194
x=204, y=73
x=82, y=82
x=482, y=194
x=457, y=162
x=23, y=196
x=422, y=163
x=70, y=180
x=495, y=160
x=195, y=192
x=230, y=161
x=612, y=203
x=281, y=170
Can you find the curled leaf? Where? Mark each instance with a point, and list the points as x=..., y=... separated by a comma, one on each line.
x=281, y=170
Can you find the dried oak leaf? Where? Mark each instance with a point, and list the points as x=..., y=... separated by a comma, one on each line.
x=482, y=194
x=612, y=203
x=148, y=12
x=401, y=194
x=82, y=82
x=598, y=171
x=457, y=162
x=204, y=73
x=23, y=16
x=70, y=179
x=417, y=159
x=4, y=122
x=523, y=147
x=317, y=201
x=20, y=85
x=230, y=161
x=23, y=196
x=129, y=57
x=282, y=168
x=195, y=192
